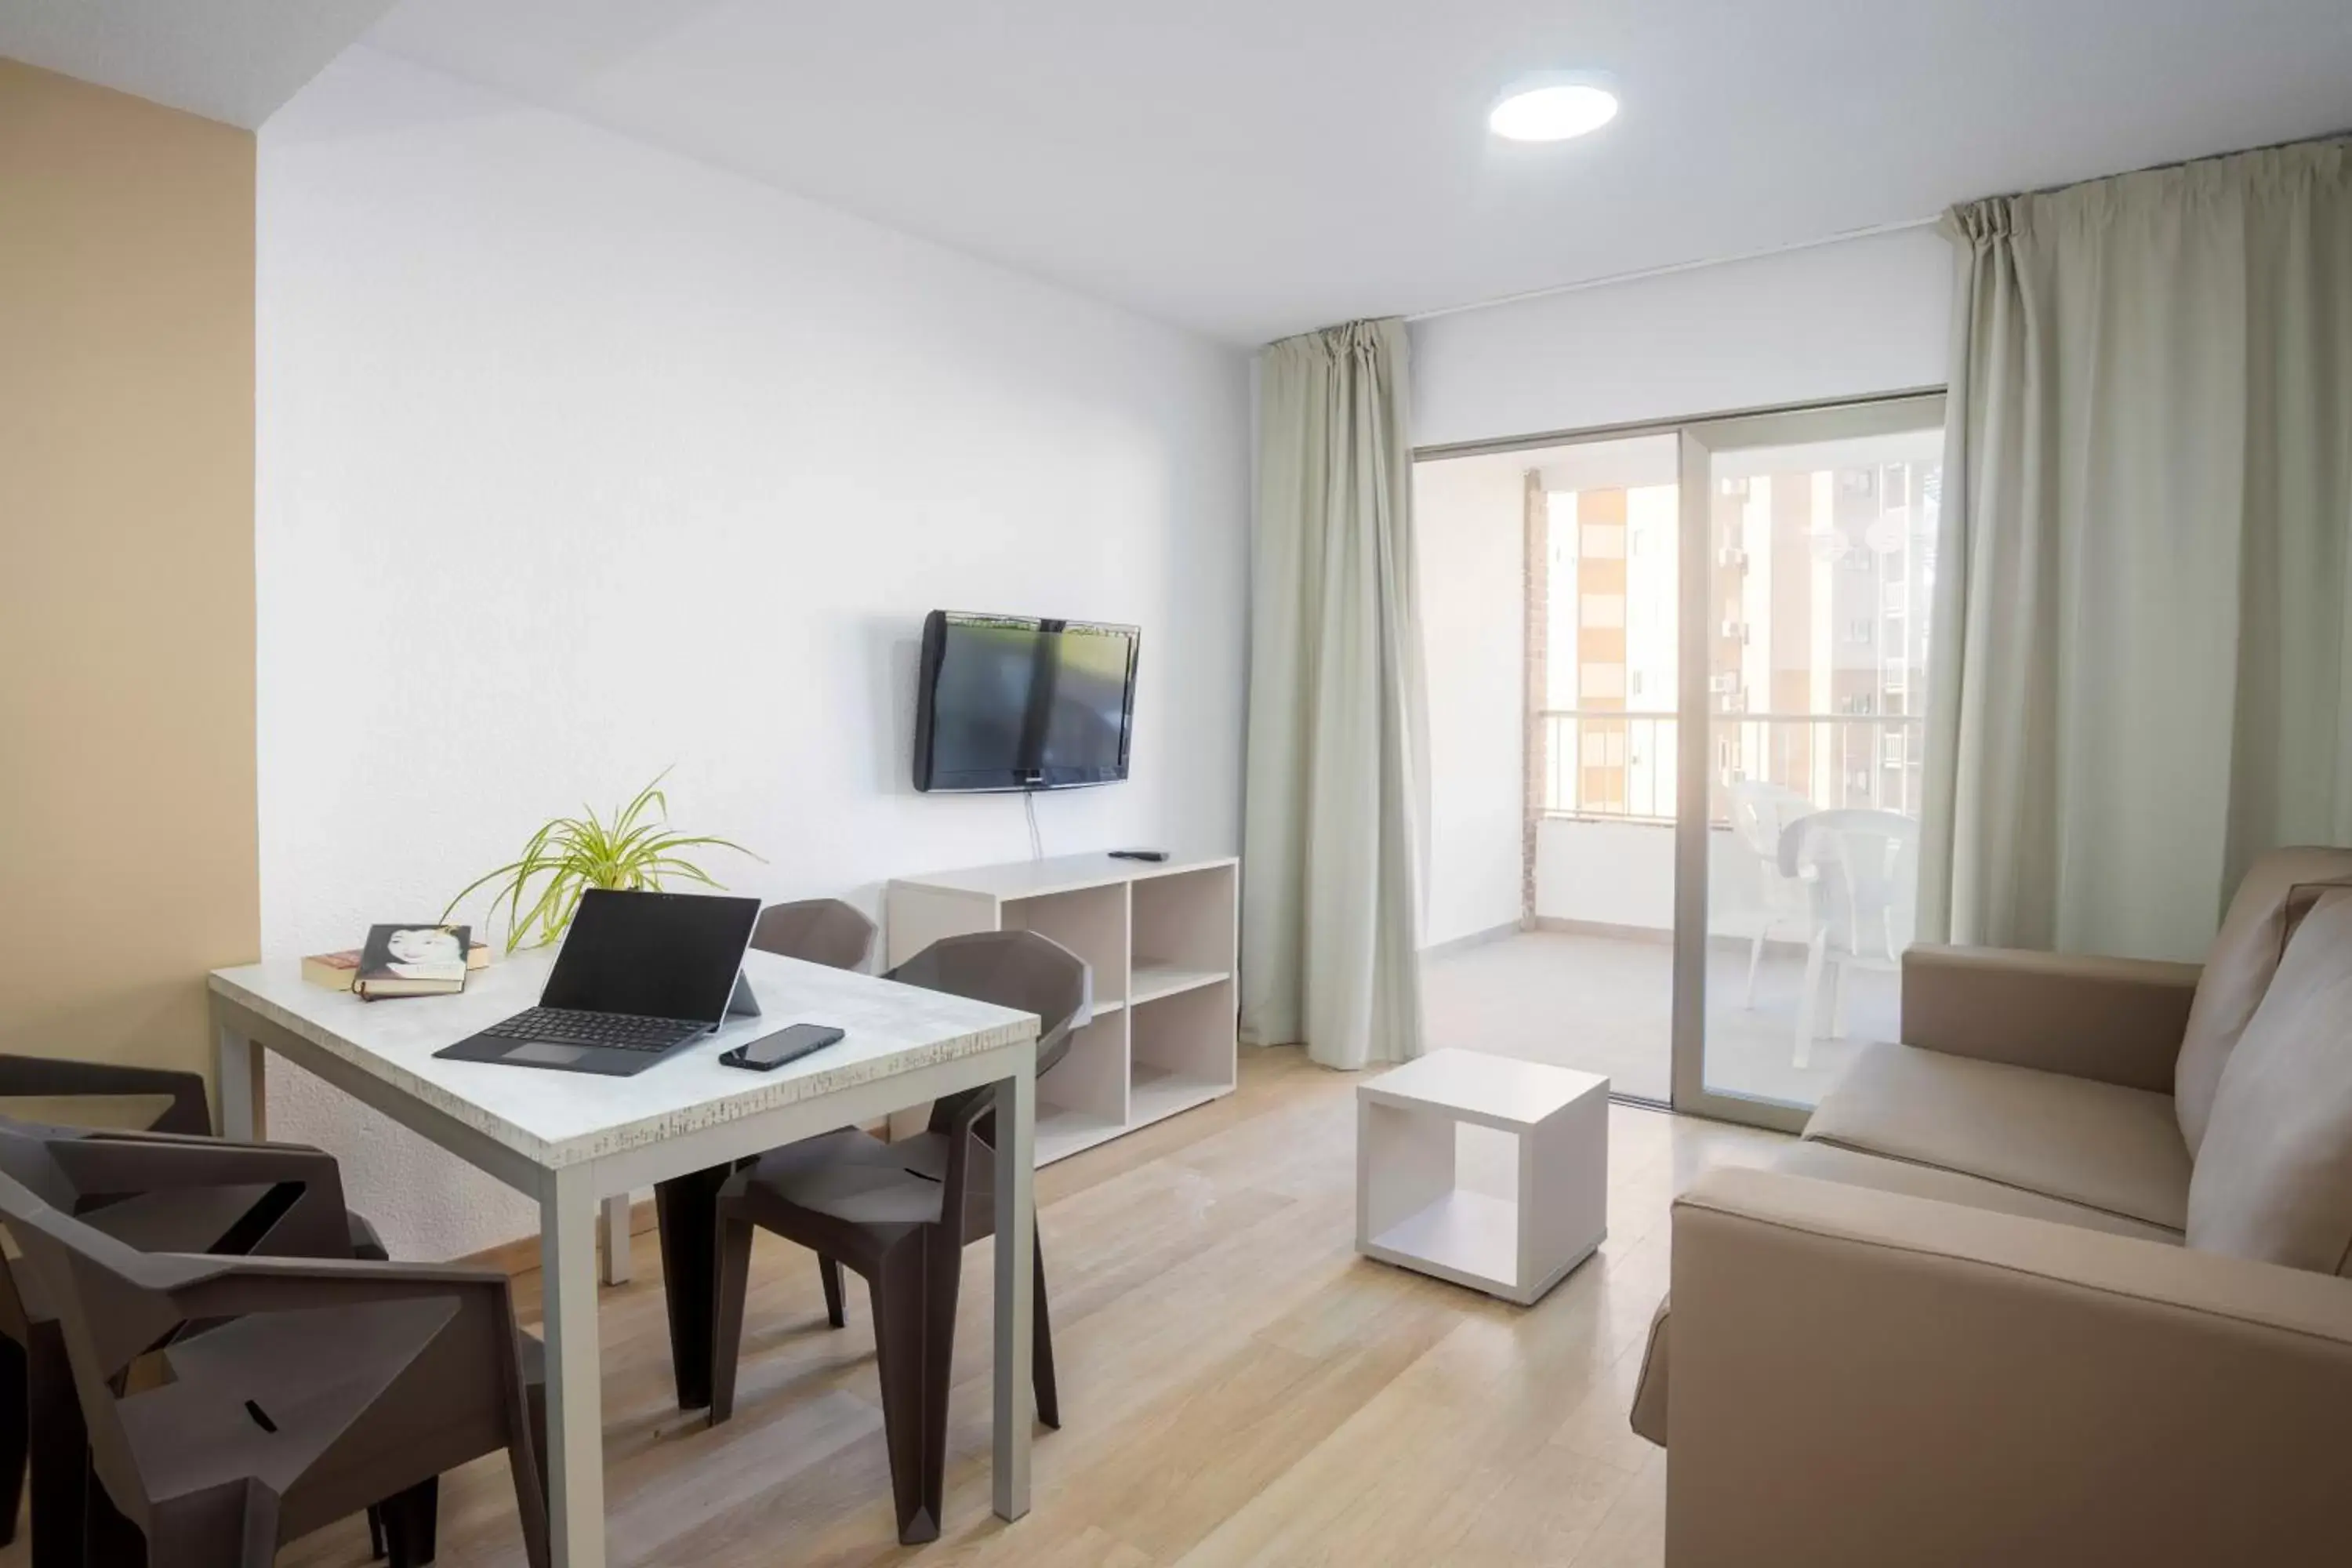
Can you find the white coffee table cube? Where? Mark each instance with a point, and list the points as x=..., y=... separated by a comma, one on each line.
x=1411, y=1212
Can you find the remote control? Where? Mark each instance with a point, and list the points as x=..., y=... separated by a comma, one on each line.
x=1154, y=855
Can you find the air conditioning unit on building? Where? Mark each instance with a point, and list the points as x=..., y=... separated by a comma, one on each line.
x=1731, y=558
x=1736, y=631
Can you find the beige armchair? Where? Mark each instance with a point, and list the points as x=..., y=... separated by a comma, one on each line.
x=2059, y=1280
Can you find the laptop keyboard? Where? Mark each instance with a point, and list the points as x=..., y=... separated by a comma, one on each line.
x=610, y=1031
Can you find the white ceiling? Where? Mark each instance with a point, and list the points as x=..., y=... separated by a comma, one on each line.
x=235, y=60
x=1254, y=167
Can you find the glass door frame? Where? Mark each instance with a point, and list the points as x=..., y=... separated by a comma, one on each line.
x=1702, y=440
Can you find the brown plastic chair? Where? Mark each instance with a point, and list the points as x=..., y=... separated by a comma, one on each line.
x=901, y=1214
x=272, y=1199
x=301, y=1390
x=814, y=930
x=51, y=1079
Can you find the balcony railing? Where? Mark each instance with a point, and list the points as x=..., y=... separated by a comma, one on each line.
x=1622, y=767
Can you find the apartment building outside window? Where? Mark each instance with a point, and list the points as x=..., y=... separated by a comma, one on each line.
x=1822, y=582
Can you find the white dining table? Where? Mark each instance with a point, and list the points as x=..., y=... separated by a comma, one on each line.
x=572, y=1141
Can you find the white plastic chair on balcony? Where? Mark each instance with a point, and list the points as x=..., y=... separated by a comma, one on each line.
x=1862, y=869
x=1762, y=814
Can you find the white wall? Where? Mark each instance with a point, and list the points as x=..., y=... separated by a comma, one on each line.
x=1840, y=319
x=1605, y=873
x=1469, y=526
x=578, y=460
x=1621, y=873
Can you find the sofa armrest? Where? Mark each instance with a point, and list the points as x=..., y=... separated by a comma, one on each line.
x=1865, y=1377
x=2118, y=1020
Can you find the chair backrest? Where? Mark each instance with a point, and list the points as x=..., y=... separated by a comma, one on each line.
x=1761, y=813
x=1018, y=969
x=58, y=1089
x=163, y=1192
x=1865, y=867
x=167, y=1192
x=25, y=1159
x=816, y=931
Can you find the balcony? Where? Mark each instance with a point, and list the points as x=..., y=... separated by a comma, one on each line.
x=1592, y=987
x=1602, y=765
x=1603, y=1003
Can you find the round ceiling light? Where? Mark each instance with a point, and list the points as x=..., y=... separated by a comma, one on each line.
x=1552, y=109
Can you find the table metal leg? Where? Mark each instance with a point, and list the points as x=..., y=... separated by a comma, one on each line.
x=616, y=1239
x=575, y=1421
x=244, y=1085
x=1016, y=1134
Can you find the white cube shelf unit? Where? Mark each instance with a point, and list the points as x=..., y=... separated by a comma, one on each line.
x=1412, y=1209
x=1162, y=941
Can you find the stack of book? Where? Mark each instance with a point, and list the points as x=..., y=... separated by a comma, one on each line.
x=404, y=959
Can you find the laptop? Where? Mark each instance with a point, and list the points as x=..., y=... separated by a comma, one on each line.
x=639, y=976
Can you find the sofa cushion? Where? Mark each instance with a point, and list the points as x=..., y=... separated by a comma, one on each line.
x=2274, y=1178
x=2238, y=970
x=2095, y=1145
x=1830, y=1163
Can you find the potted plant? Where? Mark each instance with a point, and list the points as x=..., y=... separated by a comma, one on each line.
x=572, y=853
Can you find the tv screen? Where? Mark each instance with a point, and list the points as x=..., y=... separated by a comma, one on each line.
x=1008, y=703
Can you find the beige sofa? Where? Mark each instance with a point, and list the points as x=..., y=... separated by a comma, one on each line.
x=2059, y=1280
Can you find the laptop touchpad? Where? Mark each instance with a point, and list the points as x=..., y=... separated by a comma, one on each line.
x=546, y=1053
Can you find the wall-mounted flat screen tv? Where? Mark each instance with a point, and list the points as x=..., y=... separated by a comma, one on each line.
x=1013, y=702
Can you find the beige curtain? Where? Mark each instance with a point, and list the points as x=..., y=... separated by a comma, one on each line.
x=1333, y=812
x=2142, y=678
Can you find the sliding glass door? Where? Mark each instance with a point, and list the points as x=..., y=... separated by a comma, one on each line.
x=1677, y=679
x=1809, y=558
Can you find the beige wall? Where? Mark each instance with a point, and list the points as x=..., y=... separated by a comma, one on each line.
x=128, y=860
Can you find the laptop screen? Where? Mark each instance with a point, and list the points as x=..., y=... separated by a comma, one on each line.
x=656, y=955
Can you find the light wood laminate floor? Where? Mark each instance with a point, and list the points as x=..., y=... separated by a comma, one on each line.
x=1237, y=1385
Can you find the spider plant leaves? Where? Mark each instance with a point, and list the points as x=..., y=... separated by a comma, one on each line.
x=634, y=851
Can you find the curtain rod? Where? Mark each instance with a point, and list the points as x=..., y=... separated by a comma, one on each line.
x=2344, y=135
x=1672, y=267
x=1843, y=235
x=1900, y=227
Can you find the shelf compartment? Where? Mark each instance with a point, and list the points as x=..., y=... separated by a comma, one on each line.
x=1161, y=942
x=1156, y=1094
x=1062, y=1132
x=1089, y=922
x=1153, y=980
x=1470, y=1237
x=1186, y=920
x=1091, y=1082
x=1181, y=1048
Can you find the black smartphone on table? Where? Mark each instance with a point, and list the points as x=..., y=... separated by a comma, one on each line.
x=769, y=1052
